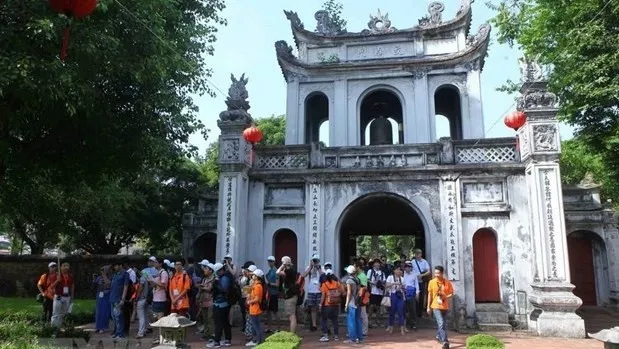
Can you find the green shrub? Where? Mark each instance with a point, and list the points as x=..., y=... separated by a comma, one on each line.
x=484, y=341
x=284, y=337
x=33, y=318
x=278, y=345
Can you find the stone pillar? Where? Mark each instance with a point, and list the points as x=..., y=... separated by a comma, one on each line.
x=552, y=299
x=234, y=162
x=418, y=125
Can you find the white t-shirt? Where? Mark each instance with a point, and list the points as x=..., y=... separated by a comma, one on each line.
x=132, y=276
x=160, y=293
x=397, y=284
x=313, y=281
x=373, y=277
x=410, y=280
x=420, y=266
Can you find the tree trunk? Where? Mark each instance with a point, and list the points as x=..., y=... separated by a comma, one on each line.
x=374, y=246
x=406, y=245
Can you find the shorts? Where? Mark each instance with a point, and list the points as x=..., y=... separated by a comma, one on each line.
x=160, y=307
x=290, y=306
x=313, y=300
x=274, y=303
x=376, y=299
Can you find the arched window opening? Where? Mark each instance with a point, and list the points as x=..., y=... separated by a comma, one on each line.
x=442, y=127
x=323, y=135
x=447, y=104
x=381, y=119
x=316, y=113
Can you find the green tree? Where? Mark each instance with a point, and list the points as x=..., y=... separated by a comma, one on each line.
x=579, y=39
x=335, y=8
x=120, y=105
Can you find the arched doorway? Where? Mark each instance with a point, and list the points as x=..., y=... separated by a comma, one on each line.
x=380, y=214
x=285, y=244
x=588, y=267
x=447, y=105
x=205, y=247
x=316, y=113
x=381, y=119
x=486, y=267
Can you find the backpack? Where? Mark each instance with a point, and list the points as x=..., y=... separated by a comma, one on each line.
x=334, y=295
x=264, y=302
x=363, y=296
x=300, y=285
x=234, y=294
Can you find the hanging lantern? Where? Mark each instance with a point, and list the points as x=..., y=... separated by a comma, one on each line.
x=252, y=135
x=515, y=120
x=73, y=9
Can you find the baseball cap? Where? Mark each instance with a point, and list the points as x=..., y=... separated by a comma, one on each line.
x=252, y=268
x=204, y=263
x=350, y=269
x=271, y=258
x=152, y=258
x=228, y=256
x=329, y=272
x=286, y=260
x=52, y=264
x=217, y=266
x=316, y=256
x=329, y=263
x=259, y=273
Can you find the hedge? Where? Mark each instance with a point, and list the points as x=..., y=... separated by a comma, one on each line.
x=23, y=333
x=484, y=341
x=281, y=340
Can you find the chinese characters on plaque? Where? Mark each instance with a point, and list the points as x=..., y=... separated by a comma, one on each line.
x=550, y=224
x=229, y=197
x=314, y=218
x=453, y=267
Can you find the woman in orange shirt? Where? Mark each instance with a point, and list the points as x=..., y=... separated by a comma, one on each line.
x=255, y=306
x=179, y=290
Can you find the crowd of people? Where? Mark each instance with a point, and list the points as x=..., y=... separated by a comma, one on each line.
x=207, y=291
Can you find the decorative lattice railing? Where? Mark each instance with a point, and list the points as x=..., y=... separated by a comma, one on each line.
x=485, y=154
x=276, y=161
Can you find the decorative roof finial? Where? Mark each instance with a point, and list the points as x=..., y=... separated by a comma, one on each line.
x=237, y=100
x=325, y=25
x=380, y=23
x=435, y=9
x=531, y=70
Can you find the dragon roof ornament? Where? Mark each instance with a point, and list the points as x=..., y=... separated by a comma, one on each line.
x=435, y=9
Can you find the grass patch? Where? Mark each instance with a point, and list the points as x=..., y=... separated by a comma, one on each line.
x=281, y=340
x=30, y=305
x=484, y=341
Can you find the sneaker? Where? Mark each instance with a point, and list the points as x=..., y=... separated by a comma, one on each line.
x=313, y=328
x=324, y=339
x=348, y=341
x=227, y=343
x=213, y=345
x=336, y=338
x=445, y=345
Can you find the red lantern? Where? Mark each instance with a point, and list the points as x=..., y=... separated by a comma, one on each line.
x=515, y=120
x=252, y=135
x=73, y=9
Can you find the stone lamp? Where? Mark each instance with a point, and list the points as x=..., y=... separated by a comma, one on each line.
x=609, y=337
x=172, y=331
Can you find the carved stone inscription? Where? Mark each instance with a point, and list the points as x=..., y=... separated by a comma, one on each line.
x=545, y=137
x=286, y=196
x=483, y=193
x=230, y=213
x=314, y=218
x=548, y=213
x=392, y=50
x=450, y=226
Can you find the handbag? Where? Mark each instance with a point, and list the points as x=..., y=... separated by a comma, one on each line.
x=386, y=301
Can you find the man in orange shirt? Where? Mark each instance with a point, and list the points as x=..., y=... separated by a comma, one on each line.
x=46, y=291
x=180, y=284
x=440, y=291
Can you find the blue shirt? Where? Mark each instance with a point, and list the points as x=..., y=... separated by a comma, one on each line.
x=119, y=281
x=220, y=298
x=271, y=279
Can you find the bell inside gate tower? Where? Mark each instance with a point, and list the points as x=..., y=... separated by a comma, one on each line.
x=381, y=119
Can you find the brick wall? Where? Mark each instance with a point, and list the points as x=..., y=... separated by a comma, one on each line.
x=28, y=268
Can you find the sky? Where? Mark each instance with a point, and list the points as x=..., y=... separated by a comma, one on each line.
x=246, y=45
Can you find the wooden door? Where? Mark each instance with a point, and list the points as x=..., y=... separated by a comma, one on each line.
x=285, y=244
x=486, y=267
x=580, y=252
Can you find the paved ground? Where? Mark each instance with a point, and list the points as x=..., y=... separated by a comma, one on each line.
x=423, y=338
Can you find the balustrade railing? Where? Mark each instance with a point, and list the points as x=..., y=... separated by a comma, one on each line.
x=445, y=152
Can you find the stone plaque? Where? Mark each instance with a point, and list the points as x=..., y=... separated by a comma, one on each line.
x=284, y=196
x=391, y=50
x=440, y=46
x=323, y=55
x=230, y=150
x=313, y=216
x=451, y=223
x=229, y=222
x=550, y=219
x=483, y=193
x=545, y=138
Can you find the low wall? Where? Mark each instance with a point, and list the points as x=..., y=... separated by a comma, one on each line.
x=20, y=274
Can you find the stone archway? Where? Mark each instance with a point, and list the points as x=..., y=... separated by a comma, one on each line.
x=205, y=247
x=380, y=213
x=588, y=267
x=285, y=243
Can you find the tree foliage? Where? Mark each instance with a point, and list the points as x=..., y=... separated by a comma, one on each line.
x=334, y=9
x=87, y=146
x=579, y=39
